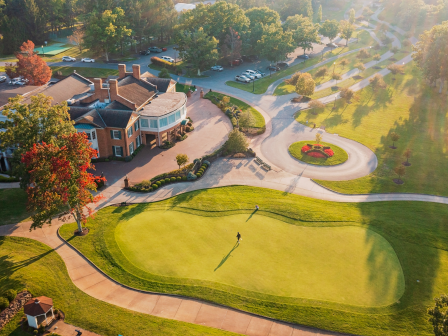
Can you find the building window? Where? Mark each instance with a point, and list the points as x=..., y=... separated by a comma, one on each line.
x=138, y=141
x=144, y=122
x=130, y=132
x=136, y=126
x=115, y=135
x=171, y=119
x=88, y=135
x=153, y=123
x=118, y=151
x=184, y=110
x=177, y=115
x=131, y=148
x=163, y=122
x=93, y=135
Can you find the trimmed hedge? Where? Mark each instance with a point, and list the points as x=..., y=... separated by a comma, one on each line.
x=162, y=62
x=4, y=179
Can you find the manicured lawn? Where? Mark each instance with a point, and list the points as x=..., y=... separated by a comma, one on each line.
x=416, y=112
x=13, y=209
x=86, y=72
x=259, y=121
x=182, y=87
x=415, y=230
x=352, y=59
x=340, y=155
x=262, y=84
x=26, y=263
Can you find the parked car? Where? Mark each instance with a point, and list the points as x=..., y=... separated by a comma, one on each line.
x=238, y=61
x=164, y=49
x=145, y=52
x=242, y=78
x=217, y=68
x=18, y=81
x=168, y=59
x=88, y=60
x=3, y=79
x=251, y=77
x=282, y=65
x=332, y=45
x=155, y=49
x=261, y=73
x=273, y=68
x=252, y=73
x=68, y=59
x=304, y=56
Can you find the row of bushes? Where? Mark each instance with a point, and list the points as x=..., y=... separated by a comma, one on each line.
x=160, y=180
x=6, y=298
x=4, y=179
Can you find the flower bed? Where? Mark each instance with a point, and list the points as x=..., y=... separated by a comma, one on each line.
x=323, y=154
x=194, y=170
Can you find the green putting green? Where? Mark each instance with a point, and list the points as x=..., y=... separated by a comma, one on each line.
x=51, y=50
x=350, y=265
x=340, y=155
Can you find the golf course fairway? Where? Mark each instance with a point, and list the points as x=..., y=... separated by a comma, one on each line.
x=347, y=264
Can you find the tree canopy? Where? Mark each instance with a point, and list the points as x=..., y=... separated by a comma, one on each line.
x=277, y=44
x=304, y=31
x=330, y=29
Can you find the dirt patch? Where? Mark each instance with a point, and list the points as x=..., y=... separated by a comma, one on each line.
x=84, y=232
x=398, y=181
x=301, y=99
x=406, y=164
x=358, y=77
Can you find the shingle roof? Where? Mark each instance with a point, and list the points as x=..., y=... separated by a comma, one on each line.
x=77, y=111
x=95, y=118
x=165, y=103
x=8, y=91
x=115, y=118
x=117, y=106
x=73, y=86
x=38, y=306
x=162, y=84
x=136, y=91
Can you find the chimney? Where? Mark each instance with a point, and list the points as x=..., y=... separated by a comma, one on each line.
x=98, y=85
x=113, y=89
x=121, y=71
x=136, y=71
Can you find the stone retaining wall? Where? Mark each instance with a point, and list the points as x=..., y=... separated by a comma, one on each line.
x=14, y=307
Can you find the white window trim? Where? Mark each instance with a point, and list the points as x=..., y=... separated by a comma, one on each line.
x=115, y=137
x=116, y=151
x=131, y=145
x=130, y=131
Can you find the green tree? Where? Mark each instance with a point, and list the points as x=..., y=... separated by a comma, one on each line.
x=394, y=137
x=29, y=123
x=316, y=104
x=259, y=19
x=439, y=316
x=304, y=31
x=396, y=69
x=305, y=85
x=430, y=54
x=237, y=142
x=182, y=159
x=262, y=15
x=407, y=154
x=351, y=14
x=288, y=8
x=246, y=119
x=197, y=48
x=376, y=58
x=318, y=138
x=346, y=30
x=277, y=44
x=360, y=66
x=164, y=73
x=400, y=171
x=319, y=14
x=330, y=29
x=104, y=32
x=377, y=82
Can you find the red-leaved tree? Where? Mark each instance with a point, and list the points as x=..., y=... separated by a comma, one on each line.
x=29, y=65
x=60, y=181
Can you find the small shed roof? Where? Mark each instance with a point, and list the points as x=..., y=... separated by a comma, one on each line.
x=38, y=306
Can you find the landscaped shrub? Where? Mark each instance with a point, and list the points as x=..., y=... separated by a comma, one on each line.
x=10, y=294
x=155, y=186
x=323, y=71
x=363, y=53
x=128, y=158
x=179, y=178
x=8, y=179
x=167, y=180
x=158, y=61
x=139, y=148
x=199, y=174
x=205, y=162
x=159, y=183
x=4, y=303
x=173, y=179
x=191, y=176
x=184, y=178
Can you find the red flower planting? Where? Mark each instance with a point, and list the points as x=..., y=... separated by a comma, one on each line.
x=317, y=151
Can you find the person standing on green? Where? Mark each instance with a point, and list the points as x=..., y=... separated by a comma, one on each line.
x=238, y=236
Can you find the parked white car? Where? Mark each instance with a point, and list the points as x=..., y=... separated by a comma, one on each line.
x=68, y=59
x=3, y=79
x=88, y=60
x=242, y=78
x=217, y=68
x=261, y=73
x=251, y=77
x=252, y=73
x=18, y=81
x=168, y=59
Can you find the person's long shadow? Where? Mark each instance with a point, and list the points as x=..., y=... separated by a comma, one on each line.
x=227, y=256
x=253, y=213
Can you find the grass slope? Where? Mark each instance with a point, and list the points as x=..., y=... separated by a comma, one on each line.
x=416, y=231
x=259, y=121
x=340, y=155
x=261, y=85
x=86, y=72
x=13, y=209
x=26, y=263
x=410, y=108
